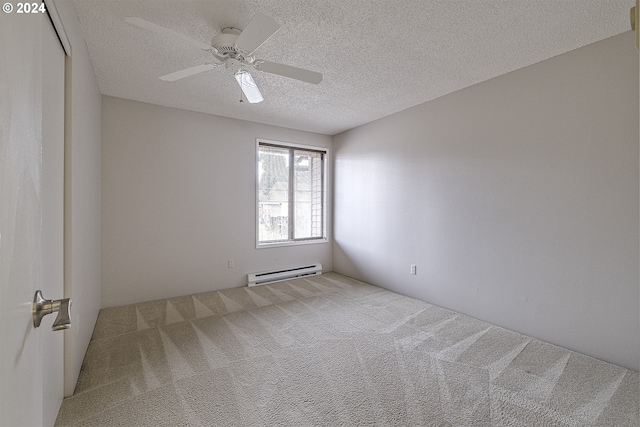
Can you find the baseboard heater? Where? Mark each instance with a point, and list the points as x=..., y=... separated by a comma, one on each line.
x=266, y=277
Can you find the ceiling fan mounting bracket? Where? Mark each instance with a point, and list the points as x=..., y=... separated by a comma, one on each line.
x=231, y=30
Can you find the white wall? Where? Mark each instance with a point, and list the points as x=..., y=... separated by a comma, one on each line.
x=82, y=195
x=517, y=198
x=178, y=201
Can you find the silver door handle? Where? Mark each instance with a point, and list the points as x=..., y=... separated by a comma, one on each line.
x=42, y=307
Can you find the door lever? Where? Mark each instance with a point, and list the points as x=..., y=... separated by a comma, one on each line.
x=42, y=307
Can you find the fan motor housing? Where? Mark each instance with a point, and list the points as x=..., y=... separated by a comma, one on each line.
x=225, y=41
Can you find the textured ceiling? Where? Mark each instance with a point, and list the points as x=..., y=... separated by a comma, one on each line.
x=378, y=57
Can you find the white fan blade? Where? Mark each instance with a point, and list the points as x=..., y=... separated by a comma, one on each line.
x=289, y=71
x=161, y=30
x=259, y=30
x=249, y=87
x=187, y=72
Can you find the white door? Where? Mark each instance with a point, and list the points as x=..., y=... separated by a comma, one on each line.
x=52, y=196
x=31, y=140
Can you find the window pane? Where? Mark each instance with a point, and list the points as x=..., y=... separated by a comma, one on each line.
x=273, y=194
x=307, y=194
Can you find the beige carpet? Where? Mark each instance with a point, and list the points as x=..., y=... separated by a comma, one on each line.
x=332, y=351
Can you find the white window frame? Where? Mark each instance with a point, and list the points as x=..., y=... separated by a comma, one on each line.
x=312, y=241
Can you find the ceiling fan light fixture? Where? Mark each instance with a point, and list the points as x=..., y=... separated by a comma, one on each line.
x=249, y=87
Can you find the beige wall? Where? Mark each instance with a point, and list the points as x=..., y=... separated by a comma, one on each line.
x=517, y=198
x=178, y=201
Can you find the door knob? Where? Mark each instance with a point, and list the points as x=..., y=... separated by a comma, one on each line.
x=42, y=307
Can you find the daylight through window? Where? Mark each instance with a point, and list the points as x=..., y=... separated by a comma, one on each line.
x=290, y=193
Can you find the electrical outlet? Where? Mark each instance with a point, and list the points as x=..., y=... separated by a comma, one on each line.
x=413, y=269
x=230, y=263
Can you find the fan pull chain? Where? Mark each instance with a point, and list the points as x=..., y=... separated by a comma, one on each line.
x=241, y=95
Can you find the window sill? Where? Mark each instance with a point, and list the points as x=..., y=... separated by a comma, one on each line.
x=291, y=243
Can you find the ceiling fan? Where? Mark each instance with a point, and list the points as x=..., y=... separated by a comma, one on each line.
x=234, y=49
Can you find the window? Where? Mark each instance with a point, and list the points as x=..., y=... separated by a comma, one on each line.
x=291, y=193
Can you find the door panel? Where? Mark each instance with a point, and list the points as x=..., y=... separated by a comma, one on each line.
x=20, y=218
x=53, y=63
x=31, y=217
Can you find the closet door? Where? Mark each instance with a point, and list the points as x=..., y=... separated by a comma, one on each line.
x=21, y=352
x=53, y=118
x=31, y=217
